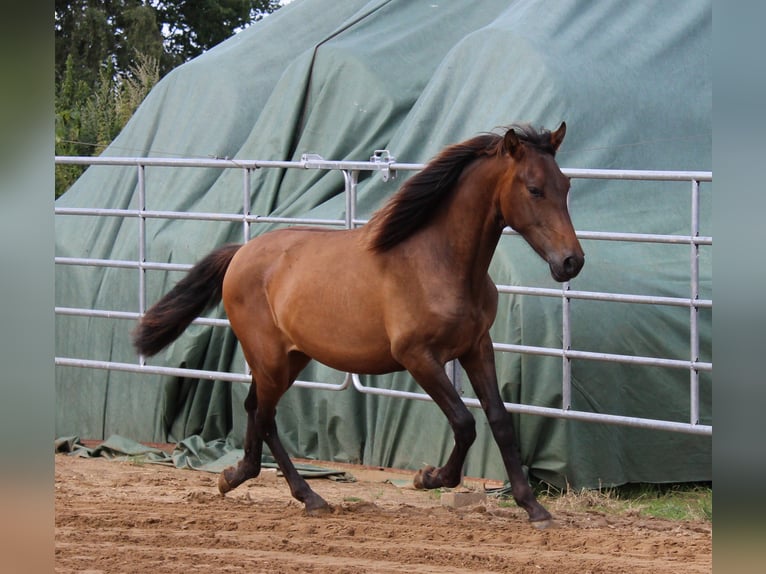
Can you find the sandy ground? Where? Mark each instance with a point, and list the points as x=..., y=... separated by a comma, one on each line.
x=126, y=517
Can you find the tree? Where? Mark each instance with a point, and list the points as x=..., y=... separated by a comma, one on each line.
x=110, y=53
x=172, y=31
x=193, y=27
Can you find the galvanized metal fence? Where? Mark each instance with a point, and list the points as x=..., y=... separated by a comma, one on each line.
x=383, y=163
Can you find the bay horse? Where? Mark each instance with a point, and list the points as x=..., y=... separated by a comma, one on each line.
x=408, y=290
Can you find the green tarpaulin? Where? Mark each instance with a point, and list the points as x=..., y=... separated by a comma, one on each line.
x=343, y=79
x=192, y=453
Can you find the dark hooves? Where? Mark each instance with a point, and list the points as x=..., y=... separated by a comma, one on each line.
x=541, y=524
x=539, y=517
x=423, y=479
x=317, y=506
x=223, y=484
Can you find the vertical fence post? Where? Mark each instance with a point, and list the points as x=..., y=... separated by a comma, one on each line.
x=350, y=179
x=246, y=202
x=566, y=343
x=693, y=309
x=246, y=177
x=141, y=248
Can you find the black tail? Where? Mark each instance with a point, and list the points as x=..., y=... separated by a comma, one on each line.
x=192, y=295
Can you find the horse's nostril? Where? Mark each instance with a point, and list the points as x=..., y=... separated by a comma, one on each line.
x=572, y=265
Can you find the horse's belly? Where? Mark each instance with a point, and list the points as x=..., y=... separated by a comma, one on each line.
x=338, y=325
x=353, y=360
x=345, y=345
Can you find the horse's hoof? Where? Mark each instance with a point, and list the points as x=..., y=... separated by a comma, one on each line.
x=538, y=516
x=223, y=484
x=318, y=508
x=421, y=478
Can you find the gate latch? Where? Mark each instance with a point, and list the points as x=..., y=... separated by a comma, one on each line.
x=384, y=157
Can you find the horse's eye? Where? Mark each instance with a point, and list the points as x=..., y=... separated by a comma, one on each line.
x=535, y=191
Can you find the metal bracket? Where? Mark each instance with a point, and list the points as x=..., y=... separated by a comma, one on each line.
x=307, y=158
x=383, y=156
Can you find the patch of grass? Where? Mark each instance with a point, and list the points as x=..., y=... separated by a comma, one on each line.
x=672, y=502
x=689, y=501
x=352, y=499
x=436, y=493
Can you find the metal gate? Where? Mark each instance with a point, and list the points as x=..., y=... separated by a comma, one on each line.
x=383, y=163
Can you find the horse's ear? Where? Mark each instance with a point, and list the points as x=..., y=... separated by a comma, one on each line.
x=512, y=144
x=558, y=136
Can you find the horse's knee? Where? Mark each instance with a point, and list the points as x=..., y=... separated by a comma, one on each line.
x=264, y=427
x=464, y=427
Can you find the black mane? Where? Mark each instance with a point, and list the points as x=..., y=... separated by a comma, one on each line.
x=412, y=206
x=540, y=140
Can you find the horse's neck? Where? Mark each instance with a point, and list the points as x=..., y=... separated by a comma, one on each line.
x=472, y=226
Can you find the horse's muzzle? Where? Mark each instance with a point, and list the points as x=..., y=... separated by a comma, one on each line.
x=568, y=268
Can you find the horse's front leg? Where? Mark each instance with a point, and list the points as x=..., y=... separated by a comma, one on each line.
x=431, y=376
x=479, y=364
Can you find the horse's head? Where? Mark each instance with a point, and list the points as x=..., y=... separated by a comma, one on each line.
x=533, y=199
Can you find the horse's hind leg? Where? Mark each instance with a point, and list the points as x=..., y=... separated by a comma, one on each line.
x=279, y=378
x=250, y=465
x=299, y=488
x=261, y=406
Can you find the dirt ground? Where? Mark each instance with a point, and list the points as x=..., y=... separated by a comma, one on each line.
x=126, y=517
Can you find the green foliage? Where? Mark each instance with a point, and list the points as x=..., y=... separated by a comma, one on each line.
x=681, y=501
x=671, y=502
x=193, y=27
x=88, y=119
x=110, y=53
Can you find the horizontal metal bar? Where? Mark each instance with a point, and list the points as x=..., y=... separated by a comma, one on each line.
x=507, y=289
x=615, y=236
x=646, y=237
x=636, y=422
x=550, y=412
x=638, y=174
x=293, y=220
x=93, y=262
x=195, y=216
x=354, y=379
x=252, y=218
x=187, y=373
x=608, y=357
x=601, y=296
x=635, y=360
x=130, y=315
x=224, y=163
x=121, y=263
x=502, y=347
x=105, y=314
x=634, y=237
